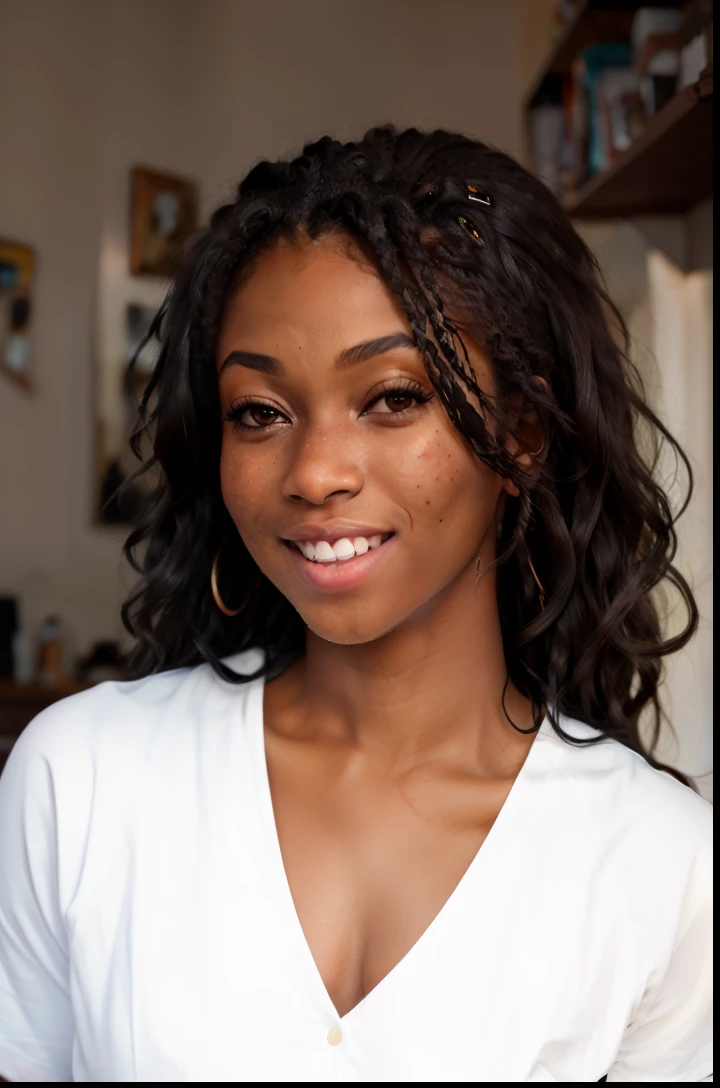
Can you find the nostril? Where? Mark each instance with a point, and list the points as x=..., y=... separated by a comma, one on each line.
x=320, y=501
x=313, y=490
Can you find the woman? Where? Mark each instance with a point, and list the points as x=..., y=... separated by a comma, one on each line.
x=377, y=806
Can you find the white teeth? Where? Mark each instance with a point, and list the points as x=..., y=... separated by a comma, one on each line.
x=343, y=549
x=324, y=552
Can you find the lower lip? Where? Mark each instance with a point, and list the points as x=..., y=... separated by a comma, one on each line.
x=343, y=574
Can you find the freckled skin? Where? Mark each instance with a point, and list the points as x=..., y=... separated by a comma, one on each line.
x=389, y=754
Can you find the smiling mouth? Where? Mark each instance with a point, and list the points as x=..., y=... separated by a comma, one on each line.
x=339, y=551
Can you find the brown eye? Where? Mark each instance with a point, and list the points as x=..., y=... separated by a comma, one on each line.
x=254, y=415
x=396, y=401
x=259, y=415
x=399, y=402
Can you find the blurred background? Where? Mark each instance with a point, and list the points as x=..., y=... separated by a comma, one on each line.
x=123, y=123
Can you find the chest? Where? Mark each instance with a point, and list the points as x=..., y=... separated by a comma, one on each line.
x=370, y=863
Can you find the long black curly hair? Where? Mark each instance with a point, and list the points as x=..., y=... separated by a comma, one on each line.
x=455, y=227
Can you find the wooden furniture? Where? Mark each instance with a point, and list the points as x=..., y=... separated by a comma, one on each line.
x=19, y=704
x=669, y=167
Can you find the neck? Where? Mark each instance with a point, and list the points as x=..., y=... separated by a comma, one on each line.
x=431, y=688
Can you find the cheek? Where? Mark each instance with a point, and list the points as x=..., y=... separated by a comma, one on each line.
x=444, y=484
x=244, y=481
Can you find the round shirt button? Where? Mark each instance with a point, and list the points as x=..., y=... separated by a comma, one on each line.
x=334, y=1036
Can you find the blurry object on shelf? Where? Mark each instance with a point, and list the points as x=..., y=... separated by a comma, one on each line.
x=589, y=148
x=621, y=111
x=104, y=661
x=693, y=61
x=163, y=216
x=659, y=80
x=696, y=36
x=8, y=630
x=50, y=668
x=650, y=22
x=660, y=52
x=656, y=54
x=121, y=498
x=17, y=264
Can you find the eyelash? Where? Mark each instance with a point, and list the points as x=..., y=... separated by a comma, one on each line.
x=405, y=387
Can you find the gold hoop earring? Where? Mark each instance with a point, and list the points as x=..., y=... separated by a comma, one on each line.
x=538, y=583
x=539, y=452
x=216, y=590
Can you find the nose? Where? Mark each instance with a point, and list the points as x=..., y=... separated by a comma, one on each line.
x=325, y=464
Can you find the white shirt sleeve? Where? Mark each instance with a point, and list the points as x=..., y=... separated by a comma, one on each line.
x=671, y=1037
x=36, y=1022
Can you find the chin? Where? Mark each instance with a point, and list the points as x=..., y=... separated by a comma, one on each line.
x=344, y=633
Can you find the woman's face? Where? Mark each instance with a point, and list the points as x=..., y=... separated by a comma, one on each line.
x=346, y=480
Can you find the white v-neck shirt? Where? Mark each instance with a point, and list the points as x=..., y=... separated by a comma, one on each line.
x=148, y=933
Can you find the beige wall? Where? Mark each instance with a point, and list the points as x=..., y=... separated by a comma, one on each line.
x=204, y=88
x=534, y=22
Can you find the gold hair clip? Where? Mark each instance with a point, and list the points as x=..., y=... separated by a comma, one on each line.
x=479, y=198
x=470, y=228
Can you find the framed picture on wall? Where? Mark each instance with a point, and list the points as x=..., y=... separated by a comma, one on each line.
x=17, y=265
x=164, y=210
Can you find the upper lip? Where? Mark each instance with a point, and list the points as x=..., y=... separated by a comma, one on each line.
x=332, y=531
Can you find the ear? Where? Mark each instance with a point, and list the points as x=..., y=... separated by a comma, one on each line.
x=525, y=436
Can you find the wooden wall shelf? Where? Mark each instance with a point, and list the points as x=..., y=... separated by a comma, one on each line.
x=669, y=168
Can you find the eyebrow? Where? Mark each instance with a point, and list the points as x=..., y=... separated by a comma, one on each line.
x=360, y=353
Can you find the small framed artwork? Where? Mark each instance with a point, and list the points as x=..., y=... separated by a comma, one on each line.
x=163, y=215
x=17, y=265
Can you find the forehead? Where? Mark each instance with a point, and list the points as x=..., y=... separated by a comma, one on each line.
x=305, y=301
x=306, y=289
